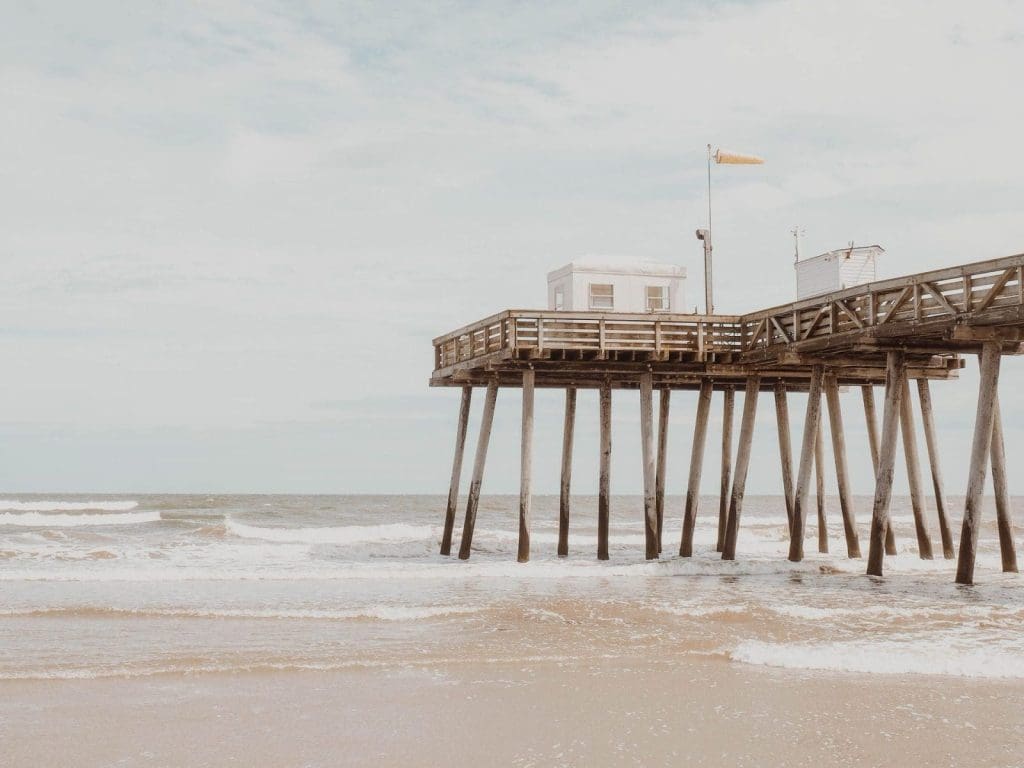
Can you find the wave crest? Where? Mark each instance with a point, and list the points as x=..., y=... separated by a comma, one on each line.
x=44, y=520
x=12, y=505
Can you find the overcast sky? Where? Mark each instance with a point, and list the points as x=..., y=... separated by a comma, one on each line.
x=229, y=230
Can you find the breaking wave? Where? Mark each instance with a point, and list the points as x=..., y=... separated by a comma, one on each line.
x=919, y=657
x=60, y=520
x=10, y=505
x=348, y=534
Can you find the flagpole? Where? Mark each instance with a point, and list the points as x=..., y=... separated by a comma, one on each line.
x=709, y=305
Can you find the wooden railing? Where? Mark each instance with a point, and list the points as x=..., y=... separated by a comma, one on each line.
x=941, y=295
x=946, y=294
x=587, y=331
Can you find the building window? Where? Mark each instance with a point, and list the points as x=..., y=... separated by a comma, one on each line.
x=657, y=298
x=559, y=298
x=602, y=296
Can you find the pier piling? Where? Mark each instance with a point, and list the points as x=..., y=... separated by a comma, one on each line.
x=895, y=375
x=664, y=402
x=980, y=450
x=700, y=430
x=453, y=488
x=526, y=467
x=739, y=480
x=1004, y=520
x=728, y=404
x=819, y=487
x=473, y=501
x=647, y=454
x=928, y=423
x=604, y=481
x=835, y=420
x=803, y=477
x=568, y=428
x=924, y=541
x=785, y=448
x=870, y=415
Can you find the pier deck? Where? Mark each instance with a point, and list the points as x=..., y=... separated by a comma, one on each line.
x=933, y=317
x=882, y=333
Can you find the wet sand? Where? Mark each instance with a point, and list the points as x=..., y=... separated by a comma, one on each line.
x=616, y=712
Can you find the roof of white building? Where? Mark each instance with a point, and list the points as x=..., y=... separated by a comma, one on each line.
x=618, y=266
x=843, y=253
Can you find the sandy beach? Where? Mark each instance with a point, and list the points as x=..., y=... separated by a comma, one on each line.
x=629, y=711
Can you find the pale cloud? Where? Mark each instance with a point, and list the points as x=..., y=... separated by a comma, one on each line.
x=227, y=224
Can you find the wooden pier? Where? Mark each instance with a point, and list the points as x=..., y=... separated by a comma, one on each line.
x=885, y=333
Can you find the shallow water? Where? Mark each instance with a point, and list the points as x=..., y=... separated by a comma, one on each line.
x=119, y=587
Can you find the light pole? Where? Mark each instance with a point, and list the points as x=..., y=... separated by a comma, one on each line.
x=709, y=304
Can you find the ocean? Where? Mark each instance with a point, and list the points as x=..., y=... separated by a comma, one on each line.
x=165, y=586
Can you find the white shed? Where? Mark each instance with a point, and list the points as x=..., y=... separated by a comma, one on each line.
x=599, y=284
x=836, y=270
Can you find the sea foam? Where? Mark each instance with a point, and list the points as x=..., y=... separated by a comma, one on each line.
x=11, y=505
x=61, y=520
x=347, y=534
x=919, y=657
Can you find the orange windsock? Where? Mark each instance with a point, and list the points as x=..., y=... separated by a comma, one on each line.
x=734, y=158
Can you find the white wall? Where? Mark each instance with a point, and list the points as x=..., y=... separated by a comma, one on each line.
x=833, y=273
x=630, y=290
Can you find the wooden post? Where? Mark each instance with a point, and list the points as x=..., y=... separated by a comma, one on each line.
x=785, y=448
x=1004, y=518
x=659, y=500
x=835, y=420
x=647, y=451
x=981, y=446
x=453, y=488
x=700, y=430
x=928, y=421
x=819, y=485
x=728, y=403
x=473, y=502
x=739, y=480
x=803, y=477
x=868, y=392
x=563, y=502
x=895, y=375
x=924, y=541
x=525, y=467
x=604, y=483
